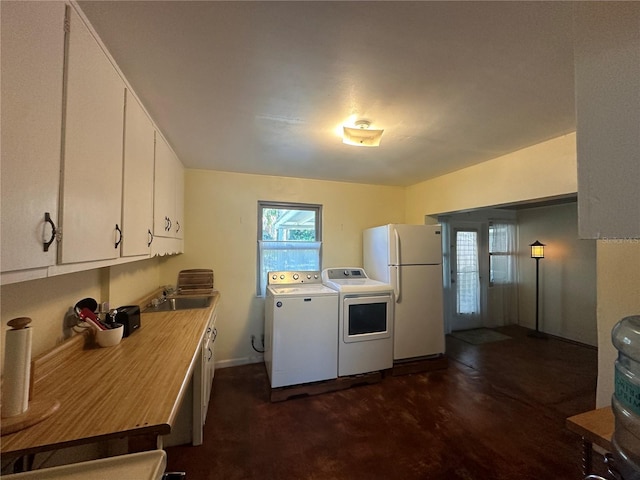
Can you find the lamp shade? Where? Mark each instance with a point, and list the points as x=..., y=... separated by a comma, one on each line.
x=362, y=135
x=537, y=249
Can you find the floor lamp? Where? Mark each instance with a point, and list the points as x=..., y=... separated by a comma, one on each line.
x=537, y=252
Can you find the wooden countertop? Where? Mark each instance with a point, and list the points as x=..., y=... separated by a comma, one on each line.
x=595, y=426
x=133, y=388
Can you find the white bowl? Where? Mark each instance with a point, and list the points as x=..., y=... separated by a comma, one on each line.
x=111, y=337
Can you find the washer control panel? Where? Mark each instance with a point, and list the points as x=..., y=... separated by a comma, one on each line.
x=295, y=277
x=340, y=273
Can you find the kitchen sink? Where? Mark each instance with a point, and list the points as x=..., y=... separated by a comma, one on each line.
x=180, y=303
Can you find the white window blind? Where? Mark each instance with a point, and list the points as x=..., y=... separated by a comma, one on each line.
x=284, y=256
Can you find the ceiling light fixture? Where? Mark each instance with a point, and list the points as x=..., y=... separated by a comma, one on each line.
x=361, y=134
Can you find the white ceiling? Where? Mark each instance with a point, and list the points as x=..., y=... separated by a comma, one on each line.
x=260, y=87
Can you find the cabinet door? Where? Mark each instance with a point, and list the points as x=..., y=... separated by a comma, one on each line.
x=164, y=190
x=137, y=199
x=179, y=199
x=32, y=73
x=92, y=165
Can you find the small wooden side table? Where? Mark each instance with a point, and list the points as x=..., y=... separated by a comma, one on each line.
x=595, y=427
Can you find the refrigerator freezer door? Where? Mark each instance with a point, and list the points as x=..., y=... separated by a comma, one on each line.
x=415, y=244
x=419, y=320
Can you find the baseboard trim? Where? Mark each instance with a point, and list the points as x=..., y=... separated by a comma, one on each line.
x=573, y=342
x=234, y=362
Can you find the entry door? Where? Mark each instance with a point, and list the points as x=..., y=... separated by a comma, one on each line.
x=465, y=280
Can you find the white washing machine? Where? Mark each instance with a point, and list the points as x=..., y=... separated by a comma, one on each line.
x=365, y=321
x=301, y=329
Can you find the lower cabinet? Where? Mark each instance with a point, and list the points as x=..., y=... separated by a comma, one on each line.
x=182, y=429
x=191, y=417
x=208, y=365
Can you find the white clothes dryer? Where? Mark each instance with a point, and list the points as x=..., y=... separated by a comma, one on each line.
x=365, y=320
x=301, y=329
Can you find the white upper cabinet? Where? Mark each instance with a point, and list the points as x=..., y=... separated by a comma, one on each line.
x=92, y=161
x=137, y=200
x=32, y=75
x=164, y=190
x=169, y=192
x=179, y=199
x=79, y=159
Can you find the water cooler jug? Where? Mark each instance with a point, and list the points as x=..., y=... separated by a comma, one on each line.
x=626, y=398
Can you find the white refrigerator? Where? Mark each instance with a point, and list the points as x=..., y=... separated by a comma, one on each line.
x=409, y=257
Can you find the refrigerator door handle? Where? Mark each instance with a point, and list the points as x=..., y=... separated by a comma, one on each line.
x=396, y=286
x=397, y=244
x=396, y=282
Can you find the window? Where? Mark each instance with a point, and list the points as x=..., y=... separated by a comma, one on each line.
x=467, y=273
x=502, y=250
x=289, y=238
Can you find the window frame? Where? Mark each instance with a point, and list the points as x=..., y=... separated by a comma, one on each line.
x=510, y=254
x=265, y=205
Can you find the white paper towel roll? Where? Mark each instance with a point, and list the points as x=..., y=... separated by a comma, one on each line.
x=17, y=369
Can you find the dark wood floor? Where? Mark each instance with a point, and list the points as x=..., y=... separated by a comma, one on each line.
x=497, y=413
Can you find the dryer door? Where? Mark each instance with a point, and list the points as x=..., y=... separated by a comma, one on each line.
x=367, y=318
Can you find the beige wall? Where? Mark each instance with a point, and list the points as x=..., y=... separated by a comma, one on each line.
x=567, y=274
x=48, y=301
x=618, y=267
x=131, y=281
x=221, y=233
x=544, y=170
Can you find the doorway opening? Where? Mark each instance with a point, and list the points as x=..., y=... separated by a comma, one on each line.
x=481, y=282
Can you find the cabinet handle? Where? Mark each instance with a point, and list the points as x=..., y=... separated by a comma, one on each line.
x=170, y=224
x=210, y=355
x=119, y=241
x=215, y=334
x=150, y=238
x=177, y=227
x=54, y=232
